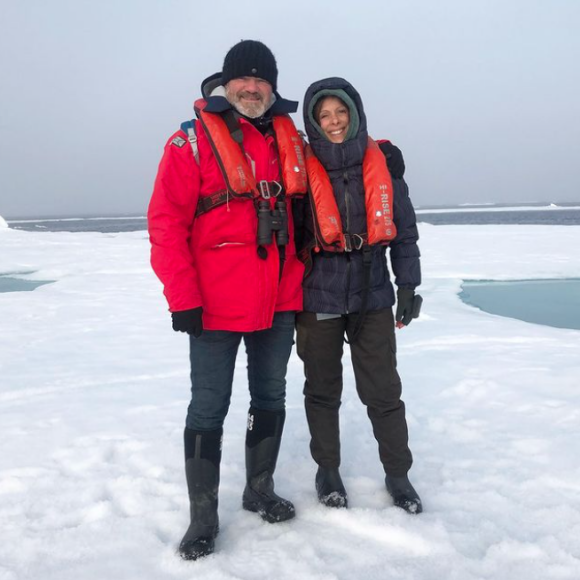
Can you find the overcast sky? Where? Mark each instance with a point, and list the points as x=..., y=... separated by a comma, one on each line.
x=482, y=96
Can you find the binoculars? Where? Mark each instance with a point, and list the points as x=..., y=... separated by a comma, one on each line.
x=272, y=221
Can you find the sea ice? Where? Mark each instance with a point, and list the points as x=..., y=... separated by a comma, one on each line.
x=94, y=389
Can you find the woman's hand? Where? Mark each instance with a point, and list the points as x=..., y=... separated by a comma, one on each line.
x=408, y=306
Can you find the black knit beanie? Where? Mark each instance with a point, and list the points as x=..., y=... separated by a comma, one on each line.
x=250, y=58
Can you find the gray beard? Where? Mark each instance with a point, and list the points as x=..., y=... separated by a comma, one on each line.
x=252, y=111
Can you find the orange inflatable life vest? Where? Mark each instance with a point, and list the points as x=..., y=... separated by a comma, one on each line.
x=378, y=188
x=240, y=181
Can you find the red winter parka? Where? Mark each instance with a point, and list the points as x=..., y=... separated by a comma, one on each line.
x=212, y=260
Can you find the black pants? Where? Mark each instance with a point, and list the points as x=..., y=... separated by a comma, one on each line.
x=320, y=346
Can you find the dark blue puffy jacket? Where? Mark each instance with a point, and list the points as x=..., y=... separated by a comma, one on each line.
x=335, y=282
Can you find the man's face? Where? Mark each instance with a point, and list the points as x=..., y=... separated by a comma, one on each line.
x=251, y=96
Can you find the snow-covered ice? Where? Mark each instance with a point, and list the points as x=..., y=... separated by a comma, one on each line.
x=94, y=388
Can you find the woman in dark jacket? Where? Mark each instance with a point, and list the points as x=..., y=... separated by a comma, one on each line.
x=350, y=293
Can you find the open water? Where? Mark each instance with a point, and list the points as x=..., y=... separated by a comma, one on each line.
x=547, y=217
x=18, y=282
x=549, y=302
x=105, y=225
x=541, y=213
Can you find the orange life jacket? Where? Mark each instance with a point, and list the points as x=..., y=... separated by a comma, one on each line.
x=378, y=188
x=240, y=181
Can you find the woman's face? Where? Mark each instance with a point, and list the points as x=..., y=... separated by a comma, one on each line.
x=334, y=119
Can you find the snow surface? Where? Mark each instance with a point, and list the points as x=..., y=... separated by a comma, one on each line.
x=3, y=223
x=94, y=389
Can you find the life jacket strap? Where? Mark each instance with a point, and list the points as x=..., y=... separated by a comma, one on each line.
x=208, y=202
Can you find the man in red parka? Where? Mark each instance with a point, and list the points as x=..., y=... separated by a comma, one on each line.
x=223, y=246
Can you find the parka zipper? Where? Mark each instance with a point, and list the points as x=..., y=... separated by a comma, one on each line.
x=346, y=203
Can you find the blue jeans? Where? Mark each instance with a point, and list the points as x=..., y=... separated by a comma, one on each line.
x=213, y=360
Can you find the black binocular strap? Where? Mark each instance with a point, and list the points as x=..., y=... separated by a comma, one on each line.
x=282, y=255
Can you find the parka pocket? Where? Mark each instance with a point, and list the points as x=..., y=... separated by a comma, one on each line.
x=224, y=244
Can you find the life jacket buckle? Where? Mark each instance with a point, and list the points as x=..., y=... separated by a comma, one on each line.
x=265, y=191
x=353, y=242
x=347, y=243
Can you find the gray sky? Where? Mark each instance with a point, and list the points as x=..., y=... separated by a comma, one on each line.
x=483, y=96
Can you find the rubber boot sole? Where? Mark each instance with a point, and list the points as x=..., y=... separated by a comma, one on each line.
x=198, y=548
x=271, y=511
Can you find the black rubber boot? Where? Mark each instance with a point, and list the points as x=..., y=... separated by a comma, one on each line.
x=262, y=445
x=404, y=494
x=330, y=489
x=202, y=470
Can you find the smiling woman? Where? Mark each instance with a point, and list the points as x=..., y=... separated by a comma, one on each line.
x=333, y=117
x=344, y=228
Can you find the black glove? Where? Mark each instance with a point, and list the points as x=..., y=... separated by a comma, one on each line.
x=188, y=321
x=395, y=161
x=408, y=305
